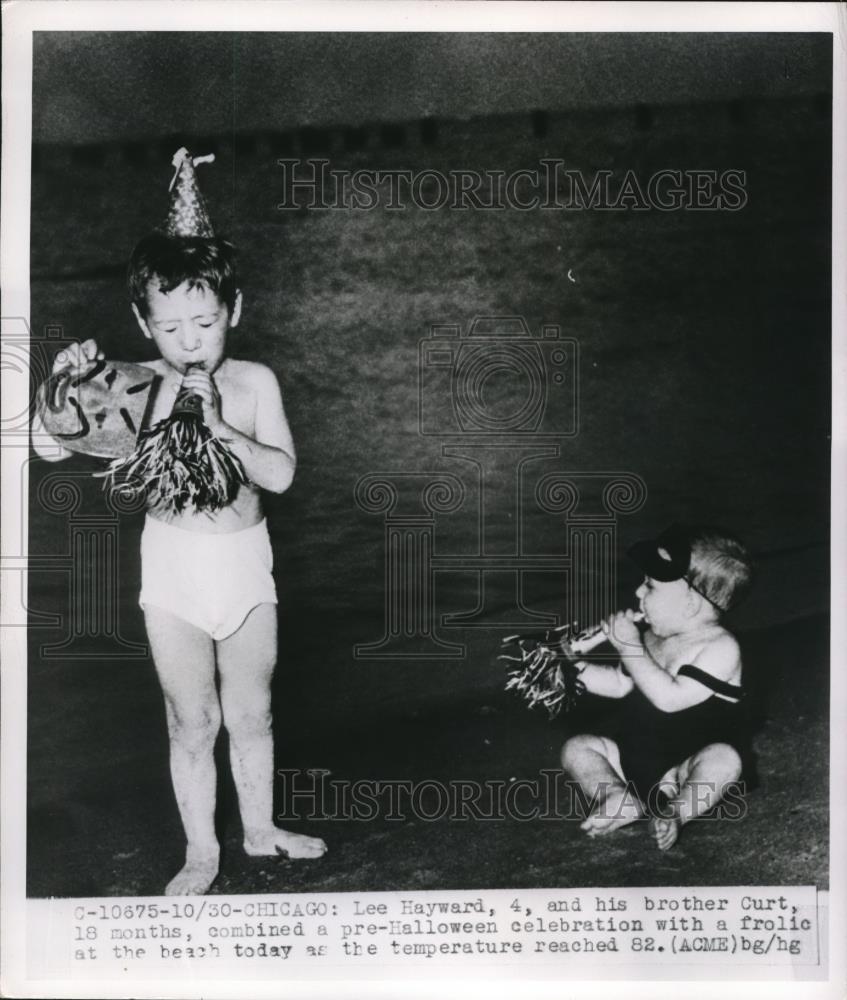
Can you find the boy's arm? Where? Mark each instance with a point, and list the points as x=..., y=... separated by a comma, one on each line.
x=607, y=681
x=269, y=458
x=666, y=692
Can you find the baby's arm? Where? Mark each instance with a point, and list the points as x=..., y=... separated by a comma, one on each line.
x=269, y=458
x=668, y=693
x=76, y=359
x=607, y=681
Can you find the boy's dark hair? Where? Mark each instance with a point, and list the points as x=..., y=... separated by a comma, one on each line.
x=171, y=260
x=720, y=567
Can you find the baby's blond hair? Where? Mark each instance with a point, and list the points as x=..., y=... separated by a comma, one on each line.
x=720, y=567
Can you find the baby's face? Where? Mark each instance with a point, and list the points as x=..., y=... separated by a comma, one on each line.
x=664, y=605
x=188, y=325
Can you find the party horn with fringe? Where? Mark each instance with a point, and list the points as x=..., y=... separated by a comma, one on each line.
x=180, y=463
x=545, y=671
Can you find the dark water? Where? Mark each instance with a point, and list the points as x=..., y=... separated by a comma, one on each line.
x=703, y=342
x=704, y=346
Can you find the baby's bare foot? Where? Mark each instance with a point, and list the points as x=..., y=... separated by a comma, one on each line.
x=617, y=810
x=196, y=877
x=665, y=830
x=277, y=841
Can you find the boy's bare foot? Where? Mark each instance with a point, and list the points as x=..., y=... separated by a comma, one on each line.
x=277, y=841
x=617, y=810
x=196, y=877
x=665, y=830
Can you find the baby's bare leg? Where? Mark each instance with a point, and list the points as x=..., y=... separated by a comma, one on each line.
x=185, y=662
x=594, y=762
x=246, y=662
x=702, y=783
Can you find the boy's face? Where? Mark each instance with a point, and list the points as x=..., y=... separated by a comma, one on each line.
x=666, y=606
x=188, y=325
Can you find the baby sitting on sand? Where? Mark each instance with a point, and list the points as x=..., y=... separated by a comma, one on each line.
x=680, y=744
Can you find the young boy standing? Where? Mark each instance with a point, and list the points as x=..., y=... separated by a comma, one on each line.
x=207, y=592
x=682, y=734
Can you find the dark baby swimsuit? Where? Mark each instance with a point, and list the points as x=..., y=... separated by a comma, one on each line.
x=651, y=741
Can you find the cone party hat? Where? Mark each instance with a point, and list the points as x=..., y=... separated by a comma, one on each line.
x=187, y=215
